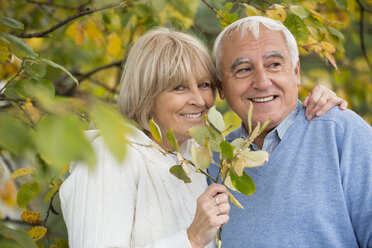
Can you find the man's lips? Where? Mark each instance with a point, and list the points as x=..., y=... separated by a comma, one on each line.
x=262, y=99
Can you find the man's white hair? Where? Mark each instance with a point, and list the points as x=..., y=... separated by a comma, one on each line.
x=252, y=24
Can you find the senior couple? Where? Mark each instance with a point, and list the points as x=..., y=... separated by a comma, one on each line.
x=315, y=190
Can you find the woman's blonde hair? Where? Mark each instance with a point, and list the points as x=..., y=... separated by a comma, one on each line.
x=160, y=60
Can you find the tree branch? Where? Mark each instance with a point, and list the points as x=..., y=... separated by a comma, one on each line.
x=361, y=33
x=69, y=19
x=215, y=11
x=51, y=4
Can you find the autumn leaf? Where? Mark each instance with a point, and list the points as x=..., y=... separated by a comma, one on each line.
x=31, y=217
x=94, y=33
x=155, y=131
x=114, y=45
x=5, y=54
x=21, y=172
x=37, y=232
x=276, y=12
x=76, y=32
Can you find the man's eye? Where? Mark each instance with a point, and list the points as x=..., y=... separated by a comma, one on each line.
x=243, y=72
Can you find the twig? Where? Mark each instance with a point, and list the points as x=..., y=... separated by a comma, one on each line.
x=51, y=208
x=16, y=75
x=69, y=19
x=215, y=11
x=51, y=4
x=361, y=33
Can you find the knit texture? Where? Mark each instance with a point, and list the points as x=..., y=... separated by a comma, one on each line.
x=315, y=190
x=136, y=203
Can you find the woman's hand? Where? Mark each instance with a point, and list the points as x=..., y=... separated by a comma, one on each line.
x=320, y=100
x=211, y=213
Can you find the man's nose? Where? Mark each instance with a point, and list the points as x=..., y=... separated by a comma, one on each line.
x=261, y=79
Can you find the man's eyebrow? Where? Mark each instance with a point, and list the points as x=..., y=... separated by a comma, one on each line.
x=238, y=62
x=275, y=54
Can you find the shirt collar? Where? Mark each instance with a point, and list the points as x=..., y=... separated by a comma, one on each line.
x=282, y=128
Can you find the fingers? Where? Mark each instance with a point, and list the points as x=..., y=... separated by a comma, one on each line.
x=321, y=100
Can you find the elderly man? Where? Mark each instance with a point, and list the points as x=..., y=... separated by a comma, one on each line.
x=316, y=188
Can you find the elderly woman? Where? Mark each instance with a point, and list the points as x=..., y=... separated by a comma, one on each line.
x=169, y=77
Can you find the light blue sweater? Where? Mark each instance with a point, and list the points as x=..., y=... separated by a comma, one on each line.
x=315, y=190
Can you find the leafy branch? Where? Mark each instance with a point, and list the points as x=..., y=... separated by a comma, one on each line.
x=69, y=19
x=234, y=156
x=216, y=11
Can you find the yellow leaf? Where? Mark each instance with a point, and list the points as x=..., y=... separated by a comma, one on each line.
x=32, y=111
x=31, y=217
x=229, y=184
x=332, y=60
x=114, y=45
x=251, y=10
x=328, y=47
x=21, y=172
x=37, y=232
x=8, y=193
x=276, y=12
x=255, y=158
x=94, y=33
x=5, y=55
x=238, y=166
x=76, y=32
x=235, y=201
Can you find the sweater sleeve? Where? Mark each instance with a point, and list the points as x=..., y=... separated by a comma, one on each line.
x=98, y=204
x=356, y=169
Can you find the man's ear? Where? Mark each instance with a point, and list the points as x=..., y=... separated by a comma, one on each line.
x=298, y=72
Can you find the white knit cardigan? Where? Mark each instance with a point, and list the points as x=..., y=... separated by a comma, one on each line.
x=135, y=203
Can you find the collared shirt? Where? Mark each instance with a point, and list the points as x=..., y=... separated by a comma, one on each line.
x=273, y=138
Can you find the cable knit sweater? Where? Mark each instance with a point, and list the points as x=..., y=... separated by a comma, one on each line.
x=135, y=203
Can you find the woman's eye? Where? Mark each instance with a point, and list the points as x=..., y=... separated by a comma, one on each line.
x=179, y=88
x=204, y=85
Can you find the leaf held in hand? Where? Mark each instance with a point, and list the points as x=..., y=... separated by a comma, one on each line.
x=179, y=172
x=243, y=184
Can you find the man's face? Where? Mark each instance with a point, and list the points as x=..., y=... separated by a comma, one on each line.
x=259, y=71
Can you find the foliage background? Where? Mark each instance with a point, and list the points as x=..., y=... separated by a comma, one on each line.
x=45, y=45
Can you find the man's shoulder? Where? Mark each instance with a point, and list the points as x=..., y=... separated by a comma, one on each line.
x=342, y=118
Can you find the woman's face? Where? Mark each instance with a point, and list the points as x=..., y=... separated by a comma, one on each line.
x=183, y=107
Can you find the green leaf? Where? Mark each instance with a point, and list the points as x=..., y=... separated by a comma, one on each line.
x=201, y=134
x=336, y=33
x=55, y=65
x=155, y=131
x=243, y=184
x=178, y=172
x=341, y=3
x=114, y=129
x=55, y=187
x=20, y=236
x=172, y=140
x=300, y=11
x=35, y=69
x=216, y=119
x=201, y=156
x=316, y=23
x=159, y=5
x=61, y=243
x=27, y=192
x=297, y=27
x=11, y=23
x=34, y=88
x=15, y=136
x=227, y=150
x=61, y=140
x=19, y=47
